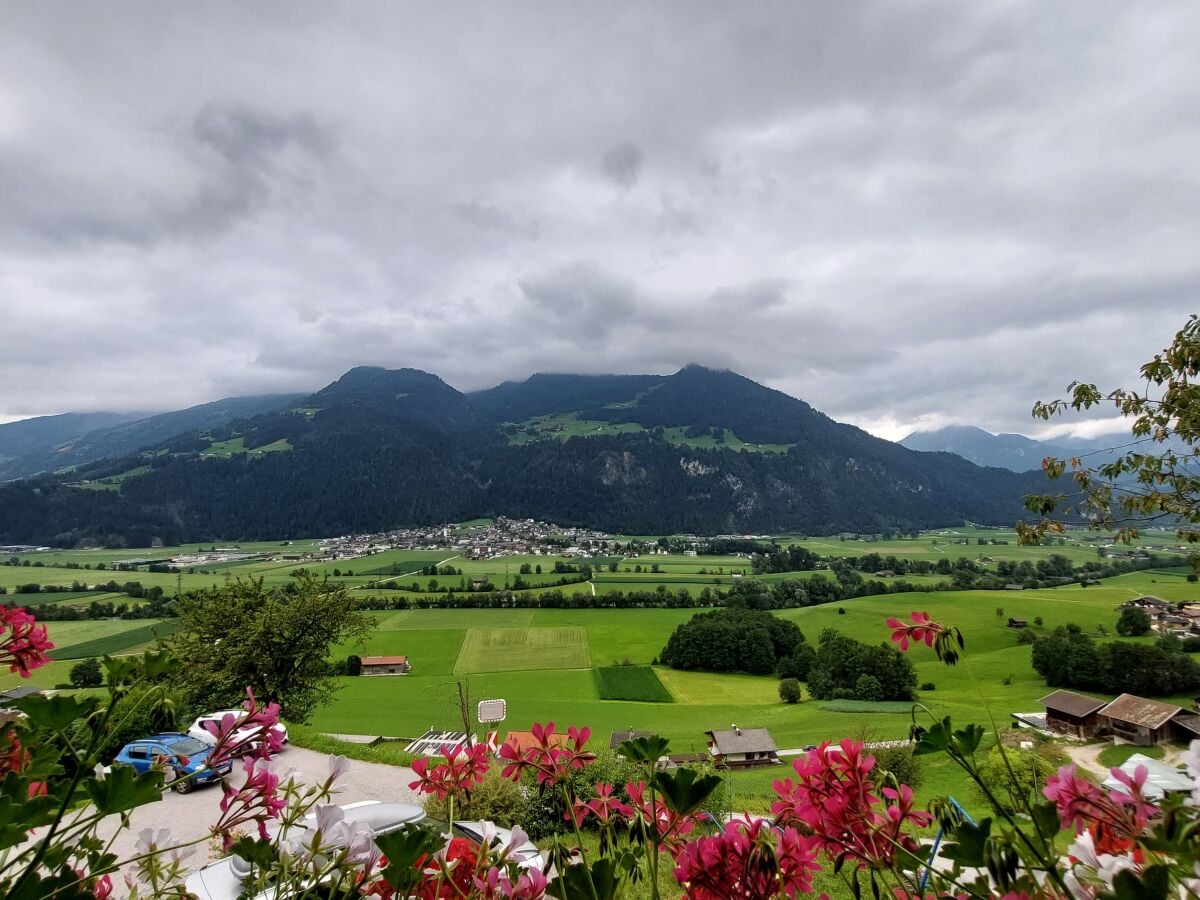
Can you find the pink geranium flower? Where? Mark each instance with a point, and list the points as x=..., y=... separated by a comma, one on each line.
x=922, y=629
x=24, y=647
x=551, y=760
x=461, y=771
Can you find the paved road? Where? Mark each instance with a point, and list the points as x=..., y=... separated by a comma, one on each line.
x=189, y=816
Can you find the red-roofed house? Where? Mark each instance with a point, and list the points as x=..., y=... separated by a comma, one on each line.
x=385, y=665
x=524, y=740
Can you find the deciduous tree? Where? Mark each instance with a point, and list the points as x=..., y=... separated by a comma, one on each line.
x=275, y=641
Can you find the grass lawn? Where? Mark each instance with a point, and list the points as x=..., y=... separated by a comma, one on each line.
x=507, y=649
x=1116, y=755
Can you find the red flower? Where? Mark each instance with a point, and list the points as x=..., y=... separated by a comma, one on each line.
x=15, y=758
x=103, y=888
x=748, y=861
x=450, y=875
x=462, y=770
x=24, y=648
x=604, y=807
x=922, y=630
x=551, y=760
x=834, y=798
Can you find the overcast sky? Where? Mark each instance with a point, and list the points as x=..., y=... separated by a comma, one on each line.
x=907, y=214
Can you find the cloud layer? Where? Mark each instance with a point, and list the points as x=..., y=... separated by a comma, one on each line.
x=907, y=214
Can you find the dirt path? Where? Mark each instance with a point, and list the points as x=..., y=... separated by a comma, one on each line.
x=1087, y=756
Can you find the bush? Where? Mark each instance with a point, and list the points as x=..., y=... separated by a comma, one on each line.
x=899, y=762
x=496, y=799
x=353, y=665
x=1030, y=768
x=546, y=814
x=789, y=690
x=1026, y=637
x=86, y=674
x=928, y=686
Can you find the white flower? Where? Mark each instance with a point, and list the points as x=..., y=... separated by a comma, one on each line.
x=329, y=817
x=338, y=766
x=150, y=840
x=101, y=771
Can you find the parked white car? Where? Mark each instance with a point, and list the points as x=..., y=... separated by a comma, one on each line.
x=244, y=739
x=225, y=878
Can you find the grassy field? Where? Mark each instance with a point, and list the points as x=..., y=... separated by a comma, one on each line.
x=630, y=683
x=509, y=649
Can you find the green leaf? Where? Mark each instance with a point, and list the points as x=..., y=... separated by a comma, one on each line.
x=404, y=850
x=57, y=713
x=258, y=853
x=934, y=739
x=123, y=789
x=155, y=664
x=573, y=882
x=644, y=749
x=686, y=790
x=966, y=740
x=968, y=847
x=1152, y=884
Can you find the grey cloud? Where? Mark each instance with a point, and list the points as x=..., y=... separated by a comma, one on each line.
x=901, y=212
x=623, y=163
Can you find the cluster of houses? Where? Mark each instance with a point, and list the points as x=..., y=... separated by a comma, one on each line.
x=1131, y=719
x=1166, y=618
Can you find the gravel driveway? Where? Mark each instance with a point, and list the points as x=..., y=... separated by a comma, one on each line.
x=189, y=816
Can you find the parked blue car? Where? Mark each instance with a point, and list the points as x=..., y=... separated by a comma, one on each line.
x=184, y=760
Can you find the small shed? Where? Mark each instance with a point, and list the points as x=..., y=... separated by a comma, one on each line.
x=1070, y=713
x=1017, y=623
x=385, y=665
x=1161, y=780
x=1139, y=720
x=743, y=747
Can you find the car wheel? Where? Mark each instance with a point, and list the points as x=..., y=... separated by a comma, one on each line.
x=183, y=786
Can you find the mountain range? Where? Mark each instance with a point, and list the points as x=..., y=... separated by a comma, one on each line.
x=700, y=451
x=1015, y=451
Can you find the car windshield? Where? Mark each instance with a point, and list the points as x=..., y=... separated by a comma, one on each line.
x=188, y=747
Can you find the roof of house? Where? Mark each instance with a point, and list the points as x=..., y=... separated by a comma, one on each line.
x=385, y=660
x=1071, y=703
x=1160, y=778
x=1146, y=600
x=743, y=740
x=524, y=740
x=1191, y=723
x=1140, y=711
x=21, y=690
x=617, y=738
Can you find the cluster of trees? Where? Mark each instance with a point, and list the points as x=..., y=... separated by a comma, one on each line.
x=846, y=669
x=736, y=639
x=158, y=608
x=1069, y=658
x=134, y=589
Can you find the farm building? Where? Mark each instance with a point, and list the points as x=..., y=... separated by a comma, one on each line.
x=1161, y=780
x=743, y=747
x=1070, y=713
x=385, y=665
x=1138, y=720
x=1018, y=623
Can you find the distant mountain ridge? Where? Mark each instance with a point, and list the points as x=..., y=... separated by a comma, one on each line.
x=1016, y=452
x=701, y=451
x=50, y=443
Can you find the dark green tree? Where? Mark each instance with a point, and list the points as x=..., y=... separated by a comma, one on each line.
x=275, y=641
x=1133, y=622
x=789, y=690
x=87, y=674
